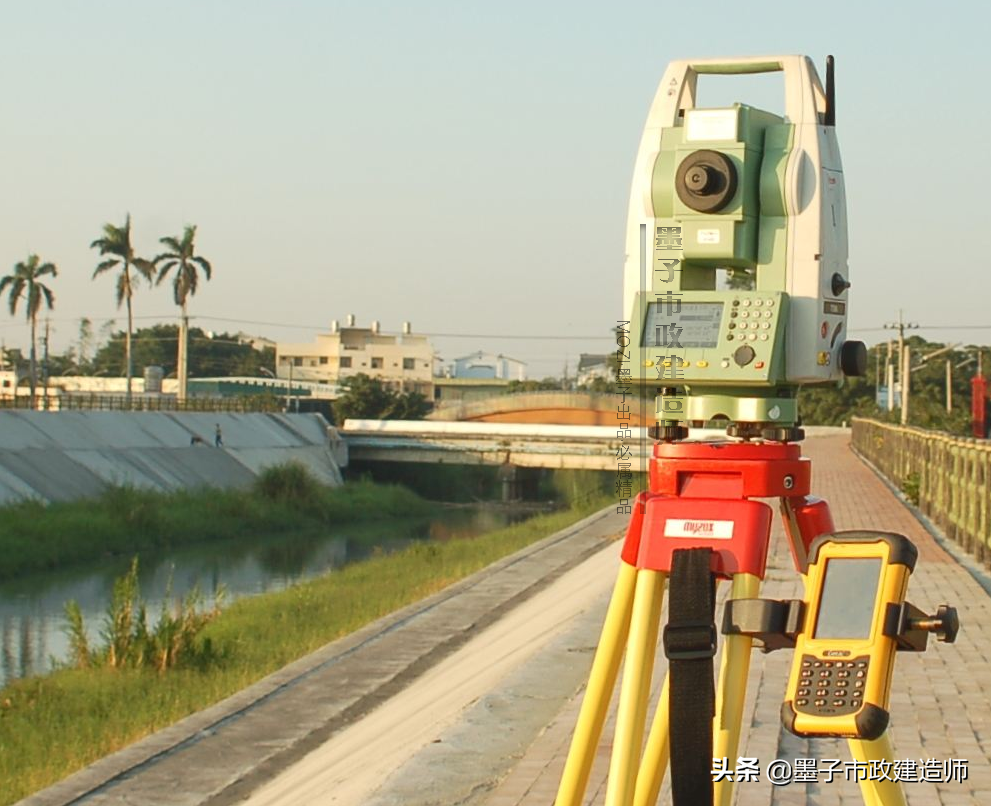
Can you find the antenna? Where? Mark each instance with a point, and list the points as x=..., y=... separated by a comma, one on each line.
x=830, y=118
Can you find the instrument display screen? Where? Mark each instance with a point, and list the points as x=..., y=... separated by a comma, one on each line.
x=696, y=324
x=846, y=605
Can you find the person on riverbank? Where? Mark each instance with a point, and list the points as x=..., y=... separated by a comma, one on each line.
x=218, y=438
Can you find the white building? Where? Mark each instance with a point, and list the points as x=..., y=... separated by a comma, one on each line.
x=402, y=360
x=8, y=382
x=592, y=366
x=488, y=365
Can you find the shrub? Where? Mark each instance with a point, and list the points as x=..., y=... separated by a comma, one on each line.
x=128, y=641
x=911, y=485
x=288, y=483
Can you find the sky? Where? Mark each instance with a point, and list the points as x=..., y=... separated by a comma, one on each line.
x=461, y=165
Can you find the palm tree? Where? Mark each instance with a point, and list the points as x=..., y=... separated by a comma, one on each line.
x=25, y=282
x=116, y=242
x=181, y=257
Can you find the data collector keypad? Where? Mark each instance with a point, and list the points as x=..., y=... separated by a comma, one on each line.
x=828, y=687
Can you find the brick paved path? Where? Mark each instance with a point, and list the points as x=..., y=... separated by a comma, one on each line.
x=940, y=702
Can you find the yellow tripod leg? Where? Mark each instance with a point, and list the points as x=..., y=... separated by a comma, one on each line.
x=635, y=690
x=731, y=690
x=877, y=793
x=601, y=681
x=656, y=755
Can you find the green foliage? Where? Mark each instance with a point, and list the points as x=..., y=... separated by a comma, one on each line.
x=545, y=385
x=600, y=386
x=129, y=642
x=576, y=487
x=115, y=246
x=119, y=626
x=79, y=651
x=26, y=282
x=368, y=398
x=181, y=257
x=831, y=405
x=436, y=482
x=911, y=487
x=289, y=483
x=220, y=356
x=125, y=520
x=53, y=725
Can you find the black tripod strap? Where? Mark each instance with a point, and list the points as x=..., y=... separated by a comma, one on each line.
x=690, y=646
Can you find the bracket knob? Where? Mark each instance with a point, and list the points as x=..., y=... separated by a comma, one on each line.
x=944, y=624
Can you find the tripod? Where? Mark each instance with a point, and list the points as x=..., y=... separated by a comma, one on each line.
x=699, y=497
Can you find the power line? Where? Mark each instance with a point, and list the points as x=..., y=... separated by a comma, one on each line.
x=419, y=333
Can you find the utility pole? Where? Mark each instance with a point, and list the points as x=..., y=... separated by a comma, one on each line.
x=904, y=368
x=949, y=386
x=877, y=373
x=182, y=368
x=44, y=361
x=889, y=379
x=906, y=381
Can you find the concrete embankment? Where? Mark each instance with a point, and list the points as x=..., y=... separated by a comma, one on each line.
x=58, y=456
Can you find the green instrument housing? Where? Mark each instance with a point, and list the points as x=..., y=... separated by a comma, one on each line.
x=736, y=270
x=742, y=349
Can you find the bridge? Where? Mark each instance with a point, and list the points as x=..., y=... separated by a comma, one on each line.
x=582, y=447
x=548, y=408
x=576, y=447
x=470, y=696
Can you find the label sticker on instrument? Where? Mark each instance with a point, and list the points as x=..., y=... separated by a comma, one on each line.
x=685, y=527
x=708, y=236
x=834, y=307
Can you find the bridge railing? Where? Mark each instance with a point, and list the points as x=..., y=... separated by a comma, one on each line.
x=947, y=477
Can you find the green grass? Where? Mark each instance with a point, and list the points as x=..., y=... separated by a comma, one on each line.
x=125, y=521
x=51, y=726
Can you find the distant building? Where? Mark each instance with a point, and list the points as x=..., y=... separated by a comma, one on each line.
x=592, y=366
x=400, y=360
x=257, y=342
x=482, y=365
x=467, y=390
x=104, y=385
x=8, y=382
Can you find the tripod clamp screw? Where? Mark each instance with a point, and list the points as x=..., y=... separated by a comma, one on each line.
x=910, y=626
x=944, y=624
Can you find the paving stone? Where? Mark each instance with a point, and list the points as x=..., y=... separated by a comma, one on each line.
x=941, y=701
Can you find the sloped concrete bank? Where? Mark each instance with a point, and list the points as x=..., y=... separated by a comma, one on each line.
x=59, y=456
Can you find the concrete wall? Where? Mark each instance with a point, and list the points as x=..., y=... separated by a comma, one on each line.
x=57, y=456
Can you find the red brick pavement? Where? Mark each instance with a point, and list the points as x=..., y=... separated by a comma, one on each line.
x=941, y=700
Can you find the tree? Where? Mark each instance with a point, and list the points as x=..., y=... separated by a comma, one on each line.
x=546, y=385
x=26, y=282
x=215, y=354
x=116, y=242
x=187, y=266
x=368, y=398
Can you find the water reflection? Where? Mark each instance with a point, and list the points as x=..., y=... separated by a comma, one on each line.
x=32, y=637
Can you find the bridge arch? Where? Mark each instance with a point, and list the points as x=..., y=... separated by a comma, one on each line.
x=548, y=408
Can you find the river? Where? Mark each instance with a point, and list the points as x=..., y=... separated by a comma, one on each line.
x=32, y=621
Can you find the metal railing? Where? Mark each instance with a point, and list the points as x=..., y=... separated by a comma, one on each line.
x=102, y=402
x=947, y=477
